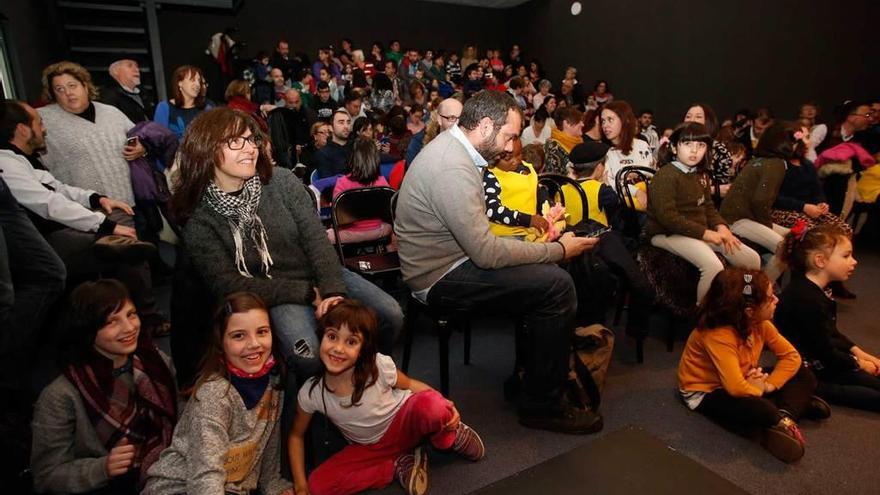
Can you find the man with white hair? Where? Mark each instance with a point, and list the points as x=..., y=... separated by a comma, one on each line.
x=125, y=94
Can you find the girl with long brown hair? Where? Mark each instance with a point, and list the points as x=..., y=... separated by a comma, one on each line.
x=228, y=437
x=719, y=375
x=382, y=412
x=619, y=129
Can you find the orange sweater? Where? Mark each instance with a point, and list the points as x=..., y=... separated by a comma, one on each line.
x=717, y=358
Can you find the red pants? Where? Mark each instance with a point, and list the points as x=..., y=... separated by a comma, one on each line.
x=362, y=467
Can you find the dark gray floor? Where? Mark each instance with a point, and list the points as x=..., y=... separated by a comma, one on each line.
x=841, y=454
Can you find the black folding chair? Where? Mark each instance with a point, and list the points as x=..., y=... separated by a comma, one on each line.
x=365, y=203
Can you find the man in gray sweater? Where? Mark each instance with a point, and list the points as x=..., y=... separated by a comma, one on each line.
x=450, y=258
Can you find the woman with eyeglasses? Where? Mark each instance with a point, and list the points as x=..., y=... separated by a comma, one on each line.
x=251, y=227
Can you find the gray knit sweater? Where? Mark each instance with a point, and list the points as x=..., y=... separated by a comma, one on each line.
x=441, y=218
x=89, y=155
x=302, y=254
x=219, y=446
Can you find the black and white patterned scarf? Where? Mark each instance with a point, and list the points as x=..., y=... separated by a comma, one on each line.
x=240, y=212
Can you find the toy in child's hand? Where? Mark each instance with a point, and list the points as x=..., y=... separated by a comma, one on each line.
x=555, y=216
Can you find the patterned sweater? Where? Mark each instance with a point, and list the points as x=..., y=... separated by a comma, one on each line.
x=219, y=446
x=88, y=154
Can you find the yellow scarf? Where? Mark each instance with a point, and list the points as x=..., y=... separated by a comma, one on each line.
x=565, y=140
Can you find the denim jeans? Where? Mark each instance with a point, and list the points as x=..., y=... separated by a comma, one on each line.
x=295, y=324
x=31, y=279
x=544, y=296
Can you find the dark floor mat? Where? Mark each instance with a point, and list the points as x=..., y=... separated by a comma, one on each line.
x=627, y=461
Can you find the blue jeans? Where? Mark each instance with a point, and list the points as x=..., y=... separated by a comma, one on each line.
x=31, y=279
x=295, y=324
x=544, y=296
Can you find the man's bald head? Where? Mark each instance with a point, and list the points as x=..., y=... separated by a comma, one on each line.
x=292, y=99
x=448, y=112
x=126, y=72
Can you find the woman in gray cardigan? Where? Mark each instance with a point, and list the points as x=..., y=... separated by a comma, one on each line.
x=251, y=227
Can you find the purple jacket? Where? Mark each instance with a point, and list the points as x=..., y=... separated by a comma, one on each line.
x=147, y=179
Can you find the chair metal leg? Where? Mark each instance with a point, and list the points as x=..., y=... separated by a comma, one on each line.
x=443, y=334
x=411, y=318
x=467, y=341
x=620, y=305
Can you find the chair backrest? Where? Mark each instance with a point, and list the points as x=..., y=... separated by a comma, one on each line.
x=553, y=184
x=363, y=203
x=631, y=175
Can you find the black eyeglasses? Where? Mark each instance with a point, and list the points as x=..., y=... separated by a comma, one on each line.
x=237, y=143
x=449, y=117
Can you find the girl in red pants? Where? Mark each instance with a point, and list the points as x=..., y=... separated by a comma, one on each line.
x=384, y=414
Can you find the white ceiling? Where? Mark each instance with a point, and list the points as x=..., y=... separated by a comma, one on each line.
x=491, y=4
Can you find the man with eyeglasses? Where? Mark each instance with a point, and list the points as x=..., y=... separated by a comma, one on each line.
x=448, y=113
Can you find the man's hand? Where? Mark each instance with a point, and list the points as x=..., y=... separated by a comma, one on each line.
x=125, y=231
x=134, y=151
x=575, y=246
x=109, y=204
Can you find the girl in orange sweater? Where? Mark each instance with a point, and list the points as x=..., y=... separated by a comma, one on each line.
x=719, y=375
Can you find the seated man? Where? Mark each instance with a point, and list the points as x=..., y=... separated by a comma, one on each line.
x=450, y=258
x=332, y=160
x=31, y=278
x=88, y=241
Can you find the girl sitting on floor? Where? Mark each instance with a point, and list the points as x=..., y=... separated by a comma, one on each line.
x=227, y=440
x=719, y=375
x=100, y=425
x=808, y=316
x=363, y=169
x=681, y=216
x=384, y=414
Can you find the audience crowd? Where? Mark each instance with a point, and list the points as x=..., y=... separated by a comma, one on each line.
x=518, y=195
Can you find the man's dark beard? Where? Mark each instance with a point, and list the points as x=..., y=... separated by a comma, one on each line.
x=487, y=149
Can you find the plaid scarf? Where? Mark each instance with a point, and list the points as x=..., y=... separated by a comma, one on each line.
x=145, y=413
x=240, y=212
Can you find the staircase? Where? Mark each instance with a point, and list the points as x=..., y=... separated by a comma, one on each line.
x=99, y=32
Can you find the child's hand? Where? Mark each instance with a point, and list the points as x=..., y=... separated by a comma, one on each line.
x=297, y=491
x=812, y=211
x=120, y=459
x=452, y=424
x=712, y=237
x=540, y=223
x=323, y=305
x=757, y=378
x=869, y=367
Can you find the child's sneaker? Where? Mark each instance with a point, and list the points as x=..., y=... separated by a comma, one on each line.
x=412, y=472
x=467, y=443
x=784, y=440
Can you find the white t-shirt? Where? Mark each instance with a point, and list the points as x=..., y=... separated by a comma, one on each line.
x=639, y=156
x=367, y=422
x=528, y=135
